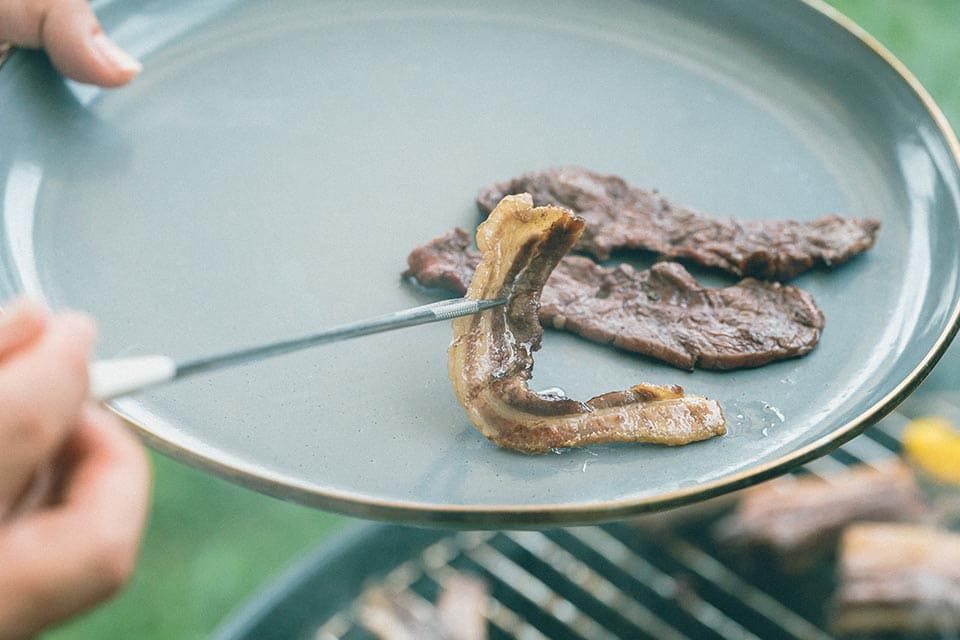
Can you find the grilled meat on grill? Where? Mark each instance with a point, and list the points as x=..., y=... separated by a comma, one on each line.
x=459, y=613
x=898, y=578
x=799, y=519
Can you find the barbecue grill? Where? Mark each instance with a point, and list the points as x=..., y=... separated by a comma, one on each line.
x=620, y=580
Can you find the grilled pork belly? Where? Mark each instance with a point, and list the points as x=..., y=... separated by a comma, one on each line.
x=491, y=358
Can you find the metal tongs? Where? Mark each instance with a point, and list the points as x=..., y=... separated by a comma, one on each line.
x=120, y=376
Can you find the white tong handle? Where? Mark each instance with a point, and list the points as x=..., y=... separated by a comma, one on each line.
x=112, y=378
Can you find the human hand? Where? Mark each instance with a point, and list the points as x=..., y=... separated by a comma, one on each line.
x=78, y=547
x=73, y=38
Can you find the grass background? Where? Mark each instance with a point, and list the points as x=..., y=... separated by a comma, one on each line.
x=210, y=544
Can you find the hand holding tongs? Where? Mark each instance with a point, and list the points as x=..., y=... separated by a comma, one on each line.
x=117, y=377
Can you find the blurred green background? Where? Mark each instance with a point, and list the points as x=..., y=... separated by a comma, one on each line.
x=210, y=544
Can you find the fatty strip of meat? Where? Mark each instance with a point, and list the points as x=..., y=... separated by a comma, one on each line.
x=621, y=216
x=491, y=357
x=661, y=312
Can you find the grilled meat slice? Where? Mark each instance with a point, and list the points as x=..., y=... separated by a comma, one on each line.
x=661, y=312
x=664, y=313
x=447, y=262
x=798, y=519
x=621, y=216
x=491, y=357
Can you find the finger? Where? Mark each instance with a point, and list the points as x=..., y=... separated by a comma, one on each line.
x=63, y=560
x=42, y=389
x=72, y=36
x=21, y=322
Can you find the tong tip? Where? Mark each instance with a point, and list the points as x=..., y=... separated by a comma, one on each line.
x=488, y=304
x=458, y=308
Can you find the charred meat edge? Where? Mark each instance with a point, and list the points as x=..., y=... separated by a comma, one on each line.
x=491, y=358
x=622, y=216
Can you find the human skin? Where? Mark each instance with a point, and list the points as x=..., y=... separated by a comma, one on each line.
x=71, y=35
x=77, y=545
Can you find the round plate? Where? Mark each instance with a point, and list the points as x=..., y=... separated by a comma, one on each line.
x=271, y=168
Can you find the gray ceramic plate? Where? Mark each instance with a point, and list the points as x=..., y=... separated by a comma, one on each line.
x=271, y=168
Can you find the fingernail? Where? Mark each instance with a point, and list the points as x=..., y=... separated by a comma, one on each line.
x=115, y=55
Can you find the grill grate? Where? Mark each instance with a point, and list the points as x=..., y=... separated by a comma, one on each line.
x=615, y=582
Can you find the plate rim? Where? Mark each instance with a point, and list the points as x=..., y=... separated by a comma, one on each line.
x=541, y=515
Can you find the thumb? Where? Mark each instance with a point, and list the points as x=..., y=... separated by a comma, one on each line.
x=72, y=37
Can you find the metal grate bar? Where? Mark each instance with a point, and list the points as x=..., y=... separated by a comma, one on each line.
x=877, y=445
x=536, y=591
x=888, y=430
x=443, y=552
x=335, y=627
x=437, y=561
x=433, y=560
x=868, y=451
x=709, y=568
x=497, y=613
x=825, y=467
x=933, y=403
x=403, y=575
x=663, y=584
x=513, y=625
x=595, y=584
